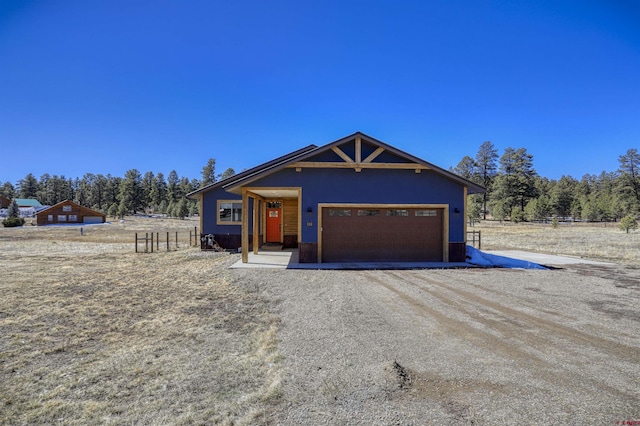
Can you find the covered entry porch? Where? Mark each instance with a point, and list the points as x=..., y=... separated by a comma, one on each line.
x=275, y=217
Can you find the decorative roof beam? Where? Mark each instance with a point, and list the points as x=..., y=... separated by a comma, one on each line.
x=373, y=155
x=342, y=155
x=341, y=165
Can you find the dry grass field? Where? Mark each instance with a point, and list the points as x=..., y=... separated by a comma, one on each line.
x=91, y=332
x=601, y=241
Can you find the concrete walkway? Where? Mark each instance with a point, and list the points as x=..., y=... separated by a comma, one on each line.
x=288, y=259
x=545, y=259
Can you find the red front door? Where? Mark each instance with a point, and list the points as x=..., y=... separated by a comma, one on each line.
x=274, y=222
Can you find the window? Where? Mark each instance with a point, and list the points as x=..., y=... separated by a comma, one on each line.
x=339, y=212
x=62, y=218
x=229, y=212
x=424, y=213
x=50, y=218
x=73, y=218
x=394, y=212
x=369, y=212
x=66, y=208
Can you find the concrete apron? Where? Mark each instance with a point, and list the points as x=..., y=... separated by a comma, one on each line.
x=545, y=259
x=288, y=259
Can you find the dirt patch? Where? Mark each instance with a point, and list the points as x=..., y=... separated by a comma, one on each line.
x=462, y=347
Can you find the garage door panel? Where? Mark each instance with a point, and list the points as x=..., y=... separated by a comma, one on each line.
x=391, y=235
x=92, y=219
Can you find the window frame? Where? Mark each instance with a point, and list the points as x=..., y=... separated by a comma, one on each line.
x=219, y=207
x=333, y=212
x=426, y=212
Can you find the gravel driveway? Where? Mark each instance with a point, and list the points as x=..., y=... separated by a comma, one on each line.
x=470, y=346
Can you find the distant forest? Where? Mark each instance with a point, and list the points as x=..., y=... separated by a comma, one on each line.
x=119, y=196
x=515, y=191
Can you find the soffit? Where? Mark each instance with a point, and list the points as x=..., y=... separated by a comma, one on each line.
x=276, y=193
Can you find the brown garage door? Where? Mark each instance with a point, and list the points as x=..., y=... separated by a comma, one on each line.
x=382, y=234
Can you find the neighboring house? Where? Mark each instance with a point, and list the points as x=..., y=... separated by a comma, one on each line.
x=28, y=202
x=354, y=199
x=4, y=202
x=68, y=212
x=28, y=206
x=4, y=205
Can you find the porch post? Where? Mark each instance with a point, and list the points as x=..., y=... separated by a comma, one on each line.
x=256, y=211
x=245, y=226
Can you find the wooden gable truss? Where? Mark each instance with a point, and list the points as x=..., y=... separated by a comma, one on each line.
x=358, y=163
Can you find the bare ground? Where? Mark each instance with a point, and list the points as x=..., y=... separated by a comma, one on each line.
x=91, y=333
x=456, y=346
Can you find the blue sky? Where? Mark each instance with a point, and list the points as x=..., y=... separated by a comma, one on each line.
x=107, y=86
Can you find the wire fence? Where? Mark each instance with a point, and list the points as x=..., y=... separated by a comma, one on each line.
x=149, y=242
x=475, y=240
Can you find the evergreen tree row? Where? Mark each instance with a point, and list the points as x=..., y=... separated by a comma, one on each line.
x=118, y=196
x=516, y=192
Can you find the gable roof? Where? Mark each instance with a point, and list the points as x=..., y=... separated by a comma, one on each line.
x=69, y=202
x=28, y=202
x=233, y=183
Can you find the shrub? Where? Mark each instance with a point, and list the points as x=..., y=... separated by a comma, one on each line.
x=517, y=215
x=11, y=222
x=628, y=222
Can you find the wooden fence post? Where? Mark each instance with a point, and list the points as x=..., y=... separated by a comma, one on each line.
x=167, y=241
x=136, y=242
x=152, y=242
x=176, y=240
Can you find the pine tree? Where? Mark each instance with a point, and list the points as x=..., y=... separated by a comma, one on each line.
x=487, y=170
x=7, y=190
x=13, y=210
x=466, y=168
x=131, y=192
x=182, y=210
x=28, y=187
x=113, y=210
x=172, y=187
x=563, y=196
x=630, y=178
x=227, y=173
x=628, y=222
x=147, y=188
x=158, y=193
x=208, y=173
x=514, y=186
